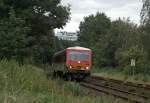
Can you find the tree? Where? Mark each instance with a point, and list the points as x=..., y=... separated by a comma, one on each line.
x=145, y=12
x=42, y=16
x=121, y=35
x=47, y=12
x=107, y=39
x=93, y=32
x=93, y=28
x=145, y=27
x=12, y=37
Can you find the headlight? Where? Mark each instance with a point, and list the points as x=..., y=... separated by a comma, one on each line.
x=87, y=67
x=70, y=67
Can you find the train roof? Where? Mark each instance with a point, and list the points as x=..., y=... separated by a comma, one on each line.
x=78, y=48
x=62, y=52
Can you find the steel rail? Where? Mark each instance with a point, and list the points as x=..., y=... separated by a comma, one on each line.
x=117, y=92
x=121, y=84
x=137, y=85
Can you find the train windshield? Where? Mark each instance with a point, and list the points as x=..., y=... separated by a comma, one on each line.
x=82, y=56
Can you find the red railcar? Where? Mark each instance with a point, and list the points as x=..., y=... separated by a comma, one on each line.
x=73, y=62
x=78, y=58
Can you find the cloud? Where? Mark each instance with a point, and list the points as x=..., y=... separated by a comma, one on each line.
x=113, y=9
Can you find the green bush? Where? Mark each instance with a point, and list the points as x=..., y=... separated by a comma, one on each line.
x=138, y=69
x=141, y=61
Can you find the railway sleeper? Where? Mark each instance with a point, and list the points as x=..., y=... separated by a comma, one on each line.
x=115, y=93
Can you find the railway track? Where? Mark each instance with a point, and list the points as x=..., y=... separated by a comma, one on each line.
x=125, y=90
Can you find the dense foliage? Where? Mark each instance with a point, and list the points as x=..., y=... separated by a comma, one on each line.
x=12, y=37
x=145, y=12
x=27, y=28
x=116, y=43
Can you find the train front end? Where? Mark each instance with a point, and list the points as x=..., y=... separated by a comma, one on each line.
x=79, y=61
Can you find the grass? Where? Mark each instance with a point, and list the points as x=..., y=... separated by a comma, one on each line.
x=28, y=84
x=118, y=74
x=18, y=83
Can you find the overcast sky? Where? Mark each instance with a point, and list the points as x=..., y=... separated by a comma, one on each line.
x=112, y=8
